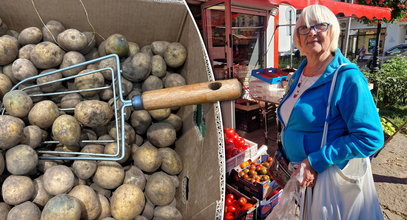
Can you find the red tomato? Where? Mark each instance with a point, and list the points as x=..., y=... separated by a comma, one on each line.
x=232, y=209
x=230, y=132
x=239, y=142
x=230, y=196
x=247, y=206
x=242, y=201
x=229, y=201
x=228, y=216
x=270, y=159
x=229, y=140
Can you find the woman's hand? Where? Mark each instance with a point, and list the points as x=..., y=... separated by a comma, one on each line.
x=309, y=176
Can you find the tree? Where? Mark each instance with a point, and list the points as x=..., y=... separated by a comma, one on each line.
x=398, y=12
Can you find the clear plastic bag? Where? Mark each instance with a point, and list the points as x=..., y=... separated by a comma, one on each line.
x=288, y=208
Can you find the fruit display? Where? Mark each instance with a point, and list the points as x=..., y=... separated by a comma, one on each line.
x=237, y=206
x=387, y=126
x=234, y=144
x=254, y=171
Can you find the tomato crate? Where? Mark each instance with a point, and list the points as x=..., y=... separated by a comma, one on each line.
x=270, y=75
x=267, y=205
x=250, y=214
x=260, y=190
x=249, y=153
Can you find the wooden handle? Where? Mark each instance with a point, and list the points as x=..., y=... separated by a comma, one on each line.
x=192, y=94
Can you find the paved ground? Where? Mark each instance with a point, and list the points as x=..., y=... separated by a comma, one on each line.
x=390, y=175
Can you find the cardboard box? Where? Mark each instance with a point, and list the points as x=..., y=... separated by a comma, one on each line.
x=248, y=214
x=260, y=190
x=249, y=153
x=202, y=185
x=247, y=117
x=267, y=205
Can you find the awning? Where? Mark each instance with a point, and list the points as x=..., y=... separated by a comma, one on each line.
x=347, y=9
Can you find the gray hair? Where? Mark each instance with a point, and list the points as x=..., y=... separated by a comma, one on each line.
x=318, y=14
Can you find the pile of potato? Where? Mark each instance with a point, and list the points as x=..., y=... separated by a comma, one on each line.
x=140, y=186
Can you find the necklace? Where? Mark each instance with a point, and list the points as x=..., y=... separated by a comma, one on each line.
x=302, y=82
x=322, y=65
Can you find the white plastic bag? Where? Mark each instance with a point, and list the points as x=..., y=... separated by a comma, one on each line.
x=292, y=196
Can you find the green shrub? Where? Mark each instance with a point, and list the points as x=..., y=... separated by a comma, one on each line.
x=390, y=83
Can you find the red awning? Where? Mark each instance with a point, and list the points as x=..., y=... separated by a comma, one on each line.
x=336, y=7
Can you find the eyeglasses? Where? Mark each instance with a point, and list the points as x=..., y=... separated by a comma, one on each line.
x=321, y=27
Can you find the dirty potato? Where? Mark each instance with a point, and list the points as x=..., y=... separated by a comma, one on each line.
x=71, y=58
x=175, y=55
x=17, y=103
x=30, y=35
x=23, y=68
x=127, y=202
x=8, y=49
x=93, y=113
x=46, y=55
x=43, y=114
x=72, y=40
x=66, y=130
x=11, y=131
x=21, y=160
x=51, y=30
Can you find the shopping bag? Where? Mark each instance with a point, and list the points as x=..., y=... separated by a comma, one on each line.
x=346, y=194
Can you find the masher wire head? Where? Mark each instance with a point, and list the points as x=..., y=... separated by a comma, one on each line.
x=118, y=107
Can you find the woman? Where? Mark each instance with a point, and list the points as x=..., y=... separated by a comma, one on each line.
x=354, y=124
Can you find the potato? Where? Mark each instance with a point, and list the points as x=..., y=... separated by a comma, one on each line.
x=44, y=165
x=90, y=42
x=140, y=217
x=46, y=55
x=140, y=120
x=43, y=114
x=111, y=148
x=152, y=83
x=101, y=49
x=166, y=212
x=100, y=190
x=127, y=86
x=137, y=68
x=58, y=179
x=175, y=55
x=106, y=63
x=30, y=35
x=25, y=51
x=171, y=161
x=8, y=71
x=66, y=130
x=11, y=131
x=90, y=205
x=159, y=47
x=17, y=103
x=135, y=176
x=72, y=40
x=8, y=49
x=32, y=136
x=70, y=100
x=130, y=134
x=158, y=66
x=161, y=134
x=25, y=211
x=41, y=196
x=175, y=121
x=106, y=94
x=104, y=206
x=117, y=44
x=133, y=48
x=23, y=68
x=147, y=158
x=93, y=148
x=21, y=159
x=2, y=165
x=127, y=202
x=90, y=81
x=62, y=207
x=17, y=189
x=3, y=30
x=160, y=189
x=52, y=77
x=71, y=58
x=4, y=209
x=148, y=211
x=32, y=91
x=5, y=84
x=93, y=54
x=109, y=175
x=51, y=30
x=68, y=149
x=84, y=169
x=160, y=114
x=93, y=113
x=174, y=79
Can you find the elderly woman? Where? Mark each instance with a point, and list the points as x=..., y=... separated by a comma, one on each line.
x=354, y=124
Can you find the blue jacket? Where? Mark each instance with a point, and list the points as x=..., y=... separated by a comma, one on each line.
x=354, y=124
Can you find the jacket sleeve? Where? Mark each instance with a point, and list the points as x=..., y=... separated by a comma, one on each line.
x=355, y=105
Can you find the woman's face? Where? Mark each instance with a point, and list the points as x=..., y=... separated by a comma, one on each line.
x=315, y=43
